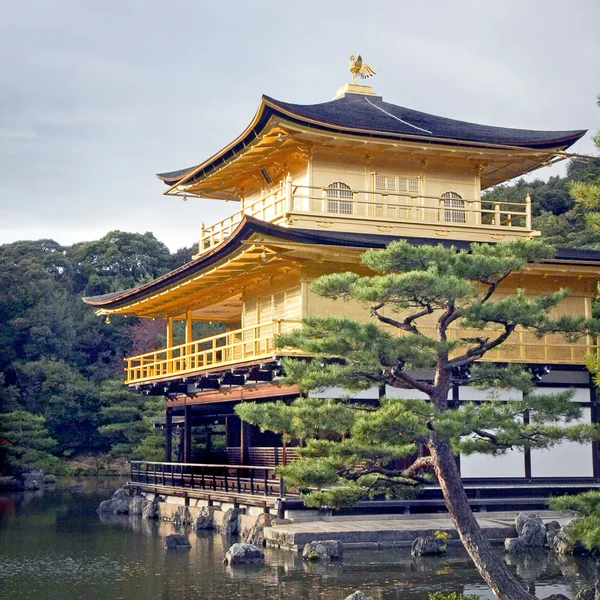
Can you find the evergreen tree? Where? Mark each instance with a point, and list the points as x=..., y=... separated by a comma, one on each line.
x=25, y=442
x=587, y=191
x=444, y=303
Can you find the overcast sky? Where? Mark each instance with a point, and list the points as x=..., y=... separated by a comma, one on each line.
x=97, y=97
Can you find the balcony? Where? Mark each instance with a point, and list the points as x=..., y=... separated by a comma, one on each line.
x=256, y=343
x=236, y=347
x=378, y=212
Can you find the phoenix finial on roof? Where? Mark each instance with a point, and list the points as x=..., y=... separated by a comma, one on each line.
x=358, y=67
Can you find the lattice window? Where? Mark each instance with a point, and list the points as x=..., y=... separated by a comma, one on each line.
x=339, y=198
x=393, y=184
x=454, y=208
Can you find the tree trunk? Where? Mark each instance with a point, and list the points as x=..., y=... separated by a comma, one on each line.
x=490, y=565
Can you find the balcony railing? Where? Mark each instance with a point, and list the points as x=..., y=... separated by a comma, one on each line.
x=232, y=347
x=377, y=208
x=228, y=480
x=257, y=343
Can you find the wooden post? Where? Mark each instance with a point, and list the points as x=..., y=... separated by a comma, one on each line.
x=187, y=435
x=288, y=194
x=528, y=223
x=169, y=345
x=201, y=244
x=497, y=217
x=168, y=435
x=188, y=338
x=244, y=442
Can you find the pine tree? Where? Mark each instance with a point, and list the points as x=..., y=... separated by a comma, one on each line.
x=25, y=442
x=444, y=304
x=587, y=193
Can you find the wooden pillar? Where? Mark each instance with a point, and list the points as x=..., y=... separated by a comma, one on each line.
x=187, y=435
x=244, y=442
x=169, y=345
x=188, y=338
x=168, y=435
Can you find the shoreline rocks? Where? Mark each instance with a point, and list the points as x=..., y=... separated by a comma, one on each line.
x=243, y=554
x=532, y=534
x=428, y=546
x=323, y=550
x=119, y=504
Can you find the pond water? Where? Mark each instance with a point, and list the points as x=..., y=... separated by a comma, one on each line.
x=54, y=546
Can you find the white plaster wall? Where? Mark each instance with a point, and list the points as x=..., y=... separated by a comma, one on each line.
x=511, y=464
x=470, y=394
x=394, y=392
x=569, y=459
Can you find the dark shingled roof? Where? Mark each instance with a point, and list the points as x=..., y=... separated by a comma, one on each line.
x=370, y=115
x=250, y=225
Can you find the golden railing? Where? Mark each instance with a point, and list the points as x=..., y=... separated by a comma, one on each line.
x=525, y=347
x=257, y=342
x=375, y=206
x=231, y=347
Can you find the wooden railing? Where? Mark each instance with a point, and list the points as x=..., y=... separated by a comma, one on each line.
x=262, y=455
x=257, y=342
x=223, y=479
x=220, y=350
x=525, y=347
x=375, y=206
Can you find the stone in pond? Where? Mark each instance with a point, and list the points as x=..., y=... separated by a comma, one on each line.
x=428, y=546
x=241, y=554
x=176, y=541
x=324, y=549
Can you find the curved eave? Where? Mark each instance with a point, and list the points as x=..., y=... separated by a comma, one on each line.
x=250, y=225
x=269, y=107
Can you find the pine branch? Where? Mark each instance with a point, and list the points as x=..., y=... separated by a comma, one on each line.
x=407, y=324
x=490, y=437
x=423, y=463
x=426, y=388
x=482, y=348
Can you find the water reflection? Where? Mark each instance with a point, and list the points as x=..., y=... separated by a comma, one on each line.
x=54, y=546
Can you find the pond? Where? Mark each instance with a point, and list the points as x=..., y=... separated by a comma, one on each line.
x=53, y=546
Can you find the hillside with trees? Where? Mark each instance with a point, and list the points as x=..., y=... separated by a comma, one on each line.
x=61, y=368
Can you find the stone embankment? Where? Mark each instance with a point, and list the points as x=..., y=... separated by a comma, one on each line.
x=226, y=519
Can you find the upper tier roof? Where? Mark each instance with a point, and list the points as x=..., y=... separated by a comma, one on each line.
x=370, y=115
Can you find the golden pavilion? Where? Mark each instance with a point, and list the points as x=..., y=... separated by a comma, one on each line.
x=316, y=185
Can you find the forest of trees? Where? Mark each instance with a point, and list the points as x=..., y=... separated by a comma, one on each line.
x=61, y=367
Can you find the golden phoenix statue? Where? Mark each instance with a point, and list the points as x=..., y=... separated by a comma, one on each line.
x=357, y=67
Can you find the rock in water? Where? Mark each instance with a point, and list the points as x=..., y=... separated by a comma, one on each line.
x=552, y=528
x=556, y=597
x=358, y=595
x=33, y=480
x=256, y=535
x=515, y=546
x=205, y=518
x=240, y=554
x=152, y=509
x=428, y=546
x=562, y=543
x=531, y=529
x=176, y=541
x=230, y=525
x=118, y=505
x=137, y=505
x=326, y=549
